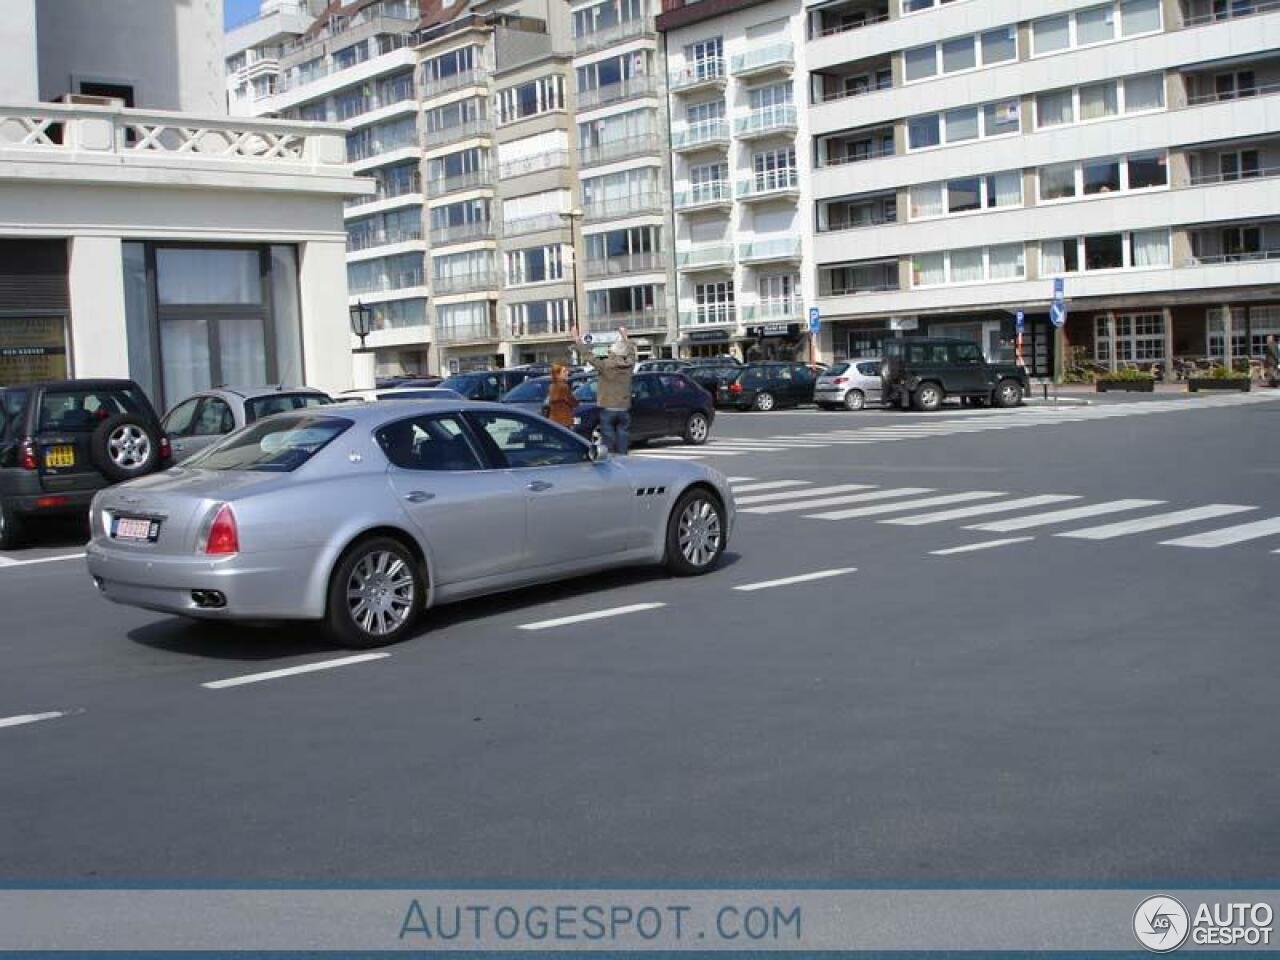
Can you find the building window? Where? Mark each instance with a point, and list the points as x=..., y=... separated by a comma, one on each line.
x=961, y=53
x=714, y=302
x=531, y=99
x=1094, y=25
x=1138, y=337
x=971, y=265
x=465, y=321
x=1099, y=101
x=622, y=302
x=605, y=16
x=963, y=124
x=535, y=265
x=1142, y=249
x=540, y=318
x=1066, y=181
x=455, y=63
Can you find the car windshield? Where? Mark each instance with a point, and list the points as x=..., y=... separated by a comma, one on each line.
x=585, y=390
x=467, y=386
x=836, y=370
x=258, y=407
x=277, y=445
x=531, y=391
x=81, y=410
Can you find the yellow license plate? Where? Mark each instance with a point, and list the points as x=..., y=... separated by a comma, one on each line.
x=60, y=456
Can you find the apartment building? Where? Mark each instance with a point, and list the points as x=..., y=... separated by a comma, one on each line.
x=969, y=155
x=621, y=129
x=253, y=47
x=741, y=169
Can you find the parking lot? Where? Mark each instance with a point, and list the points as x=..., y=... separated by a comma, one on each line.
x=983, y=646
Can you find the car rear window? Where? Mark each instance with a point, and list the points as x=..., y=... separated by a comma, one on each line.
x=836, y=370
x=869, y=369
x=259, y=407
x=531, y=391
x=81, y=410
x=277, y=445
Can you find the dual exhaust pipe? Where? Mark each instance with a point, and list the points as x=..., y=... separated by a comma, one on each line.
x=208, y=599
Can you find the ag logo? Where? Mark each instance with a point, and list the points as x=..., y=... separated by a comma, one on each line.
x=1161, y=924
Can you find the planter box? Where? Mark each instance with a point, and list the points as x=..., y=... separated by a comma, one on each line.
x=1213, y=383
x=1102, y=385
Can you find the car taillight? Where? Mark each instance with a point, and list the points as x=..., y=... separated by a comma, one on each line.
x=27, y=456
x=223, y=537
x=735, y=388
x=166, y=451
x=840, y=380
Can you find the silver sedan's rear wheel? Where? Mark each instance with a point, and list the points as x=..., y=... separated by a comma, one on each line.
x=696, y=533
x=375, y=595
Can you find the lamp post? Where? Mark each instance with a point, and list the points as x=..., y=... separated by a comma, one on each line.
x=361, y=322
x=574, y=217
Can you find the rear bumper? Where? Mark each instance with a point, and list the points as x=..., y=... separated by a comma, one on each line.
x=29, y=504
x=269, y=585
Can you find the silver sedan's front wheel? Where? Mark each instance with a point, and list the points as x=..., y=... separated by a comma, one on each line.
x=695, y=533
x=375, y=595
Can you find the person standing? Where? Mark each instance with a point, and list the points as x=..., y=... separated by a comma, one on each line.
x=1270, y=360
x=560, y=399
x=613, y=389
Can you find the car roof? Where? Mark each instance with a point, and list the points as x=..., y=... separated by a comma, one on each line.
x=74, y=384
x=373, y=414
x=252, y=393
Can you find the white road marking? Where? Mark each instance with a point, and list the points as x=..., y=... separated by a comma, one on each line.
x=593, y=615
x=838, y=501
x=770, y=485
x=293, y=671
x=796, y=494
x=799, y=578
x=1005, y=506
x=1063, y=516
x=911, y=505
x=1228, y=535
x=667, y=456
x=1156, y=522
x=8, y=562
x=691, y=452
x=986, y=545
x=25, y=718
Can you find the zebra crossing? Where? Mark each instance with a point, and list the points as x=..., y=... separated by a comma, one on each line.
x=720, y=448
x=1067, y=515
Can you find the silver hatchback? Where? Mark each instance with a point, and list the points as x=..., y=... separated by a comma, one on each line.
x=851, y=385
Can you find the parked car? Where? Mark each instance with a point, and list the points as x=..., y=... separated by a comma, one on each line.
x=63, y=440
x=764, y=386
x=709, y=376
x=850, y=385
x=405, y=507
x=662, y=405
x=397, y=393
x=921, y=372
x=210, y=415
x=662, y=366
x=387, y=383
x=489, y=385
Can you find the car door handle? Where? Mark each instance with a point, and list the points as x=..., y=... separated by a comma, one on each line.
x=537, y=486
x=419, y=496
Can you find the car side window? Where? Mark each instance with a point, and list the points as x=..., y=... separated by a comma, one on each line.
x=673, y=383
x=429, y=443
x=915, y=354
x=525, y=442
x=803, y=375
x=178, y=422
x=869, y=369
x=966, y=353
x=782, y=373
x=214, y=419
x=644, y=388
x=938, y=353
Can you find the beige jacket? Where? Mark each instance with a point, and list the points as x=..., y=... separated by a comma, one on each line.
x=613, y=390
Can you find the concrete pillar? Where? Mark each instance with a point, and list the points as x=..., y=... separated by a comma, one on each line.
x=364, y=370
x=1111, y=338
x=1226, y=336
x=1168, y=343
x=326, y=321
x=95, y=280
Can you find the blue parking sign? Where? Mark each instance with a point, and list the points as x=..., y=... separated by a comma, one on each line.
x=815, y=320
x=1019, y=321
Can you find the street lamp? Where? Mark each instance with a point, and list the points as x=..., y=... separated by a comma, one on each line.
x=361, y=322
x=574, y=217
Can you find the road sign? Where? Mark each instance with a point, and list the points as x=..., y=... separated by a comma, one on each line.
x=1057, y=313
x=587, y=338
x=1019, y=321
x=815, y=320
x=1059, y=289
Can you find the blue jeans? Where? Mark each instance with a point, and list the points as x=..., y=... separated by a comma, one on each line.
x=614, y=425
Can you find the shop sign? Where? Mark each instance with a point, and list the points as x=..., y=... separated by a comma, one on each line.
x=904, y=323
x=31, y=349
x=774, y=330
x=708, y=336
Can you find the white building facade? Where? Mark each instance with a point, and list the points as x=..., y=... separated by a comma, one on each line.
x=254, y=47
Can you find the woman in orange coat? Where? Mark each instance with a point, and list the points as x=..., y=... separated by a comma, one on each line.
x=560, y=399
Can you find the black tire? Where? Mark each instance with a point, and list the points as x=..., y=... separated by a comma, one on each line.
x=927, y=397
x=855, y=400
x=125, y=447
x=764, y=401
x=697, y=428
x=825, y=406
x=360, y=565
x=696, y=533
x=11, y=533
x=1008, y=393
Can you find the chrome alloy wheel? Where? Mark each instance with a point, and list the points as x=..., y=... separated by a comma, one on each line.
x=700, y=532
x=128, y=446
x=380, y=593
x=698, y=428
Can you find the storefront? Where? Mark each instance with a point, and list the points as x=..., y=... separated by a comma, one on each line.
x=707, y=344
x=34, y=307
x=778, y=341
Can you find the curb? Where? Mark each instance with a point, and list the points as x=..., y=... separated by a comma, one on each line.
x=1060, y=401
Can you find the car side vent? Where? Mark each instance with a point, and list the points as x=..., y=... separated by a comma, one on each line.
x=650, y=491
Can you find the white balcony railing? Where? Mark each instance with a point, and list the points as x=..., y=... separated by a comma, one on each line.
x=769, y=182
x=702, y=133
x=643, y=86
x=652, y=319
x=624, y=206
x=704, y=194
x=608, y=36
x=777, y=56
x=780, y=248
x=627, y=264
x=538, y=162
x=710, y=256
x=709, y=315
x=766, y=120
x=697, y=73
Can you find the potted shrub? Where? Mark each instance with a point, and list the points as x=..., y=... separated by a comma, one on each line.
x=1126, y=378
x=1219, y=378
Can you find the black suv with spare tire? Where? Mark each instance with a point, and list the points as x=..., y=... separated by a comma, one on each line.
x=921, y=372
x=63, y=440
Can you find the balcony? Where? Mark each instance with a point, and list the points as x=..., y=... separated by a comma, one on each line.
x=716, y=256
x=770, y=185
x=560, y=328
x=480, y=127
x=698, y=75
x=1239, y=93
x=467, y=332
x=456, y=81
x=465, y=283
x=524, y=166
x=632, y=87
x=381, y=238
x=651, y=319
x=633, y=205
x=613, y=150
x=535, y=224
x=391, y=189
x=703, y=135
x=470, y=180
x=716, y=194
x=842, y=18
x=779, y=119
x=856, y=278
x=359, y=151
x=775, y=57
x=709, y=315
x=774, y=311
x=785, y=249
x=608, y=36
x=605, y=267
x=462, y=232
x=1201, y=12
x=397, y=280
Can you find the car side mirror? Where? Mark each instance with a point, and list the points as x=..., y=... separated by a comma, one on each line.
x=598, y=452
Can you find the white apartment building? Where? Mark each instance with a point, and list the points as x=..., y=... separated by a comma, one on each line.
x=968, y=154
x=741, y=170
x=619, y=74
x=253, y=48
x=143, y=232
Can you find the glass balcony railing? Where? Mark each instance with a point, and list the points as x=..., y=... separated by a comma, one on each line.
x=479, y=127
x=704, y=133
x=380, y=238
x=769, y=183
x=708, y=257
x=466, y=332
x=776, y=56
x=714, y=193
x=621, y=266
x=698, y=73
x=781, y=248
x=433, y=87
x=773, y=311
x=460, y=232
x=625, y=206
x=758, y=123
x=611, y=150
x=608, y=36
x=534, y=224
x=547, y=327
x=534, y=164
x=398, y=280
x=465, y=282
x=462, y=181
x=616, y=92
x=651, y=319
x=709, y=315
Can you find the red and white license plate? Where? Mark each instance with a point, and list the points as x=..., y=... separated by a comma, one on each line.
x=132, y=528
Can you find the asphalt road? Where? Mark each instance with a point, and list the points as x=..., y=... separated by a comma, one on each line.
x=1052, y=709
